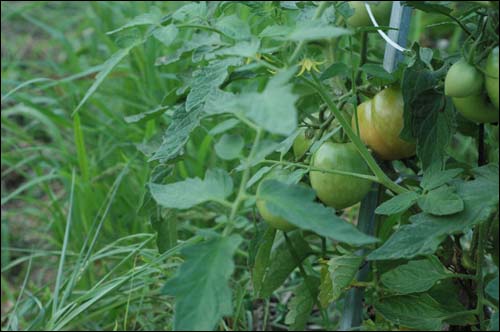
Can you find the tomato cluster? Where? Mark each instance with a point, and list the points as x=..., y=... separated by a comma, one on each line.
x=474, y=94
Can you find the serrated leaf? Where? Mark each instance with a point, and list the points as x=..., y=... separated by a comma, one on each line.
x=206, y=80
x=151, y=18
x=216, y=186
x=274, y=31
x=146, y=116
x=234, y=27
x=337, y=69
x=246, y=49
x=416, y=311
x=201, y=286
x=441, y=201
x=426, y=232
x=492, y=288
x=258, y=175
x=415, y=276
x=326, y=287
x=434, y=178
x=261, y=262
x=493, y=322
x=166, y=34
x=398, y=204
x=282, y=263
x=229, y=146
x=342, y=271
x=301, y=305
x=177, y=134
x=447, y=294
x=274, y=108
x=377, y=71
x=316, y=30
x=224, y=126
x=196, y=11
x=295, y=204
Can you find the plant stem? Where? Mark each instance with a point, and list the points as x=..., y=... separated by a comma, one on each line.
x=323, y=170
x=244, y=179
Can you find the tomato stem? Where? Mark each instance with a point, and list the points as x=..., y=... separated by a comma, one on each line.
x=244, y=179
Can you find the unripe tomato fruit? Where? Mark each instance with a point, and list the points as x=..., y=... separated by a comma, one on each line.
x=476, y=108
x=303, y=141
x=380, y=123
x=381, y=11
x=335, y=190
x=463, y=80
x=492, y=76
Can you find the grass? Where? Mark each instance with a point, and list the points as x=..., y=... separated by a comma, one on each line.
x=75, y=252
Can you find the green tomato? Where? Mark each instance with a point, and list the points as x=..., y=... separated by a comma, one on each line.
x=380, y=123
x=476, y=108
x=303, y=141
x=381, y=11
x=335, y=190
x=463, y=80
x=492, y=76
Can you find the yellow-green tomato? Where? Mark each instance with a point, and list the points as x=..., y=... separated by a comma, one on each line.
x=476, y=108
x=463, y=80
x=381, y=11
x=336, y=190
x=492, y=76
x=380, y=123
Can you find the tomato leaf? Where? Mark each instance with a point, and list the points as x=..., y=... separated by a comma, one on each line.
x=398, y=204
x=415, y=276
x=295, y=204
x=301, y=305
x=325, y=288
x=229, y=146
x=416, y=311
x=177, y=134
x=441, y=201
x=337, y=69
x=263, y=244
x=434, y=178
x=342, y=270
x=216, y=186
x=201, y=286
x=426, y=231
x=492, y=288
x=282, y=263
